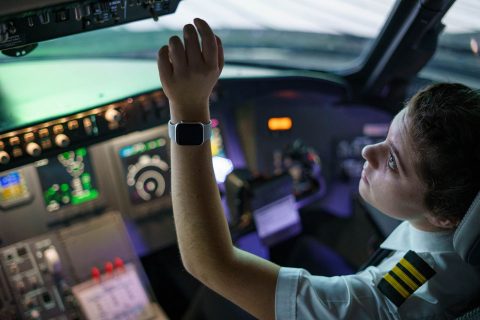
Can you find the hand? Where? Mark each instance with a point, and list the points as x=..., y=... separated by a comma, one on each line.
x=189, y=73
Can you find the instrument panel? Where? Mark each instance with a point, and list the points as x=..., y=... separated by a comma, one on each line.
x=117, y=155
x=298, y=132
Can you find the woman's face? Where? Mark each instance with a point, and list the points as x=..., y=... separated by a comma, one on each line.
x=389, y=181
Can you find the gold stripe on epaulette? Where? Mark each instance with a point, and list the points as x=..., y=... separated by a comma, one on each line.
x=405, y=278
x=413, y=270
x=397, y=286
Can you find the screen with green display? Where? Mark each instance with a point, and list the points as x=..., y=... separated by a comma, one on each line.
x=67, y=179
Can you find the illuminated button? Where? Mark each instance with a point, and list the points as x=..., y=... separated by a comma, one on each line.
x=87, y=125
x=95, y=273
x=35, y=314
x=108, y=267
x=29, y=137
x=72, y=125
x=118, y=262
x=46, y=144
x=33, y=149
x=14, y=141
x=42, y=133
x=17, y=152
x=58, y=129
x=62, y=140
x=113, y=115
x=4, y=157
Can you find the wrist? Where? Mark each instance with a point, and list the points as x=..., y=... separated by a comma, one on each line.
x=197, y=113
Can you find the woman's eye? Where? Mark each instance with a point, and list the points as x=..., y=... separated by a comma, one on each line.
x=392, y=164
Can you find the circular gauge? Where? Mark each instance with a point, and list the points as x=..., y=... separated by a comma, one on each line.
x=146, y=178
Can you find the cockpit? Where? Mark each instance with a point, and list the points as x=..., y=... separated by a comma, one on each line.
x=86, y=224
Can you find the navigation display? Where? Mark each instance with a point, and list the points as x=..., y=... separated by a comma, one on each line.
x=147, y=169
x=67, y=179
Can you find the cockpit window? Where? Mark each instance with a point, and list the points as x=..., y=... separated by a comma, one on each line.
x=307, y=34
x=457, y=58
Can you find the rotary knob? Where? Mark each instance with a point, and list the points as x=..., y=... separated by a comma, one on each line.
x=62, y=140
x=4, y=157
x=113, y=115
x=33, y=149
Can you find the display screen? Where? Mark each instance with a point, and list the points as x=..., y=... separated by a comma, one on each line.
x=146, y=167
x=13, y=189
x=222, y=166
x=67, y=179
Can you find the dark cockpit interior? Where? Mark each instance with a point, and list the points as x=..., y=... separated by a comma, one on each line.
x=86, y=224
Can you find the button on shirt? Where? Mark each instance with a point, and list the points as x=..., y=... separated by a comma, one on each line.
x=449, y=293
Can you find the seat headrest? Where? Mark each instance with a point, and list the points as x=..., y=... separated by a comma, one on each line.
x=466, y=239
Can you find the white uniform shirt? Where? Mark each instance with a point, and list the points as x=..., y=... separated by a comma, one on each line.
x=446, y=295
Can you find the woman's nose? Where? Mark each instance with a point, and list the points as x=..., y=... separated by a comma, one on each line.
x=370, y=153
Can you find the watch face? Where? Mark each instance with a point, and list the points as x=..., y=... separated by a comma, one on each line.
x=188, y=134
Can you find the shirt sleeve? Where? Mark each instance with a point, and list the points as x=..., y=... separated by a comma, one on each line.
x=299, y=295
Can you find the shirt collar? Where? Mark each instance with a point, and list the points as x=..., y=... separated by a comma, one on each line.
x=405, y=237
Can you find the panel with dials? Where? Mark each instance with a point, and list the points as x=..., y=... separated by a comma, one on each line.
x=27, y=145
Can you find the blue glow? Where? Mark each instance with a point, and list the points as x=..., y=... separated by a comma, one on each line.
x=10, y=179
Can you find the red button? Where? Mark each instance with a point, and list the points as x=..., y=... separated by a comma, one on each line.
x=108, y=267
x=95, y=273
x=119, y=263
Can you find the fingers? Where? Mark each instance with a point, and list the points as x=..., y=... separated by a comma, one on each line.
x=209, y=43
x=177, y=55
x=164, y=66
x=192, y=46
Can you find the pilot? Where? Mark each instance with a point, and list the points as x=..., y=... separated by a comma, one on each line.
x=426, y=173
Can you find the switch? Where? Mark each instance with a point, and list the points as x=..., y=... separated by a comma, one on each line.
x=42, y=133
x=14, y=141
x=57, y=129
x=20, y=286
x=108, y=267
x=4, y=157
x=3, y=32
x=46, y=144
x=87, y=125
x=30, y=21
x=44, y=17
x=113, y=115
x=62, y=16
x=72, y=125
x=52, y=259
x=62, y=141
x=95, y=273
x=119, y=264
x=33, y=149
x=28, y=137
x=17, y=152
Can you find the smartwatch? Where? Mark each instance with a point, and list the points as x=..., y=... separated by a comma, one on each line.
x=189, y=133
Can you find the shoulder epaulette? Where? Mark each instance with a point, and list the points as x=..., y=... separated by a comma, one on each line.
x=409, y=274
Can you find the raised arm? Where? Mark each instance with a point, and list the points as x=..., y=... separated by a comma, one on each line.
x=188, y=72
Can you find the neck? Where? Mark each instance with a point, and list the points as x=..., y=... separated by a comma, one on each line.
x=424, y=224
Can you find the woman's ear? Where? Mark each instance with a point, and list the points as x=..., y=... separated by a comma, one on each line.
x=442, y=222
